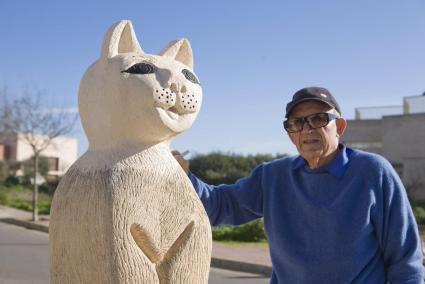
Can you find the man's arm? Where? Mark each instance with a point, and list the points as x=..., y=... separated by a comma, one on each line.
x=233, y=204
x=397, y=232
x=229, y=203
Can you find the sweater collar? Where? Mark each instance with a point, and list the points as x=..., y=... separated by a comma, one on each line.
x=336, y=167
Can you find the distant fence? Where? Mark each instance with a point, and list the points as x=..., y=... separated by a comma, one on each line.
x=377, y=112
x=414, y=104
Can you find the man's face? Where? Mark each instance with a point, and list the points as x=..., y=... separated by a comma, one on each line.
x=317, y=146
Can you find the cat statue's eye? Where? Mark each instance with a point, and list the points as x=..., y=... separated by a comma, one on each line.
x=140, y=68
x=189, y=75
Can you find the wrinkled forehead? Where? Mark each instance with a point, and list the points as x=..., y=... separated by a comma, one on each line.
x=309, y=107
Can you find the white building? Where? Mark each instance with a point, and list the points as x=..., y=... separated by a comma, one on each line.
x=61, y=153
x=397, y=133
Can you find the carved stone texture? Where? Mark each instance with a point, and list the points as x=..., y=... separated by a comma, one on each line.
x=126, y=212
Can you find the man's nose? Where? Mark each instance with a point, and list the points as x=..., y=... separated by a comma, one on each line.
x=306, y=128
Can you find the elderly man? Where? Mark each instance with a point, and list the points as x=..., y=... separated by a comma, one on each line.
x=332, y=214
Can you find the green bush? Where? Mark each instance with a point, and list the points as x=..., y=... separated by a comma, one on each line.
x=20, y=196
x=419, y=214
x=217, y=167
x=251, y=232
x=49, y=187
x=14, y=181
x=4, y=170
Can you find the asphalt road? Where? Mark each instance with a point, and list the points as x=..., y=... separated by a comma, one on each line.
x=23, y=255
x=24, y=260
x=220, y=276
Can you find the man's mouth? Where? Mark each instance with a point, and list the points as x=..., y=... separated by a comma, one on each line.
x=311, y=141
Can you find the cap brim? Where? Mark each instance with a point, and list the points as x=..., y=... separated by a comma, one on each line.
x=291, y=107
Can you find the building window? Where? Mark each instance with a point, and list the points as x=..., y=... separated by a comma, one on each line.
x=53, y=164
x=2, y=152
x=5, y=152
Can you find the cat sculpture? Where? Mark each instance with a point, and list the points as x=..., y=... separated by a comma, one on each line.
x=126, y=212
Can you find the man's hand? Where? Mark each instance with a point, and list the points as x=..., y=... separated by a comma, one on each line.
x=181, y=160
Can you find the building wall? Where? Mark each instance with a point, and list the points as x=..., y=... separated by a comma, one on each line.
x=404, y=144
x=66, y=149
x=9, y=142
x=414, y=177
x=404, y=137
x=364, y=134
x=402, y=141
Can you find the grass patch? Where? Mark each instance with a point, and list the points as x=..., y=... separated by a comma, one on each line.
x=20, y=197
x=260, y=245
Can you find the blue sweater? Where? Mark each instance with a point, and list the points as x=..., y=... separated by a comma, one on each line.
x=348, y=222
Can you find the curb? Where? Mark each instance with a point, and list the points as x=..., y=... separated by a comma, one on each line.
x=26, y=224
x=241, y=266
x=215, y=262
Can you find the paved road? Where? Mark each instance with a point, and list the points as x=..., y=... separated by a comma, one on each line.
x=23, y=256
x=24, y=260
x=220, y=276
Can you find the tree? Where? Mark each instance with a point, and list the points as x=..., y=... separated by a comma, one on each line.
x=37, y=126
x=28, y=167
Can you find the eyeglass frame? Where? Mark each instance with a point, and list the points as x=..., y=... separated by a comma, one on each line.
x=330, y=117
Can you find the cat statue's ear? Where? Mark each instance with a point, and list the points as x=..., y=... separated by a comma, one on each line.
x=180, y=50
x=120, y=38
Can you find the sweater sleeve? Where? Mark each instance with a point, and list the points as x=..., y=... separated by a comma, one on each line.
x=233, y=204
x=397, y=232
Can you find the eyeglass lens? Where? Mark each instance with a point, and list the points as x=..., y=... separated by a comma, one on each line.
x=314, y=121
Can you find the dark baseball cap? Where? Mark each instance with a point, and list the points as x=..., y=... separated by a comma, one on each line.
x=312, y=94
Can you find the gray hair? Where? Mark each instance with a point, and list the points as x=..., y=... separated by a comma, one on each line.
x=334, y=111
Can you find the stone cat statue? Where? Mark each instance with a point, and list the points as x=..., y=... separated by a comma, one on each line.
x=126, y=212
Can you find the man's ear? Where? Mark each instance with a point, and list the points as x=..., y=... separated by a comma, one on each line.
x=341, y=125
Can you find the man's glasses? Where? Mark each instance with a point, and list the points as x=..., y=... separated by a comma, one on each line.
x=316, y=120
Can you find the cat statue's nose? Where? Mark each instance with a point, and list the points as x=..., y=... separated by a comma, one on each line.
x=175, y=88
x=177, y=97
x=165, y=97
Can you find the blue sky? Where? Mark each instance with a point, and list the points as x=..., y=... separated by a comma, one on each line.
x=250, y=56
